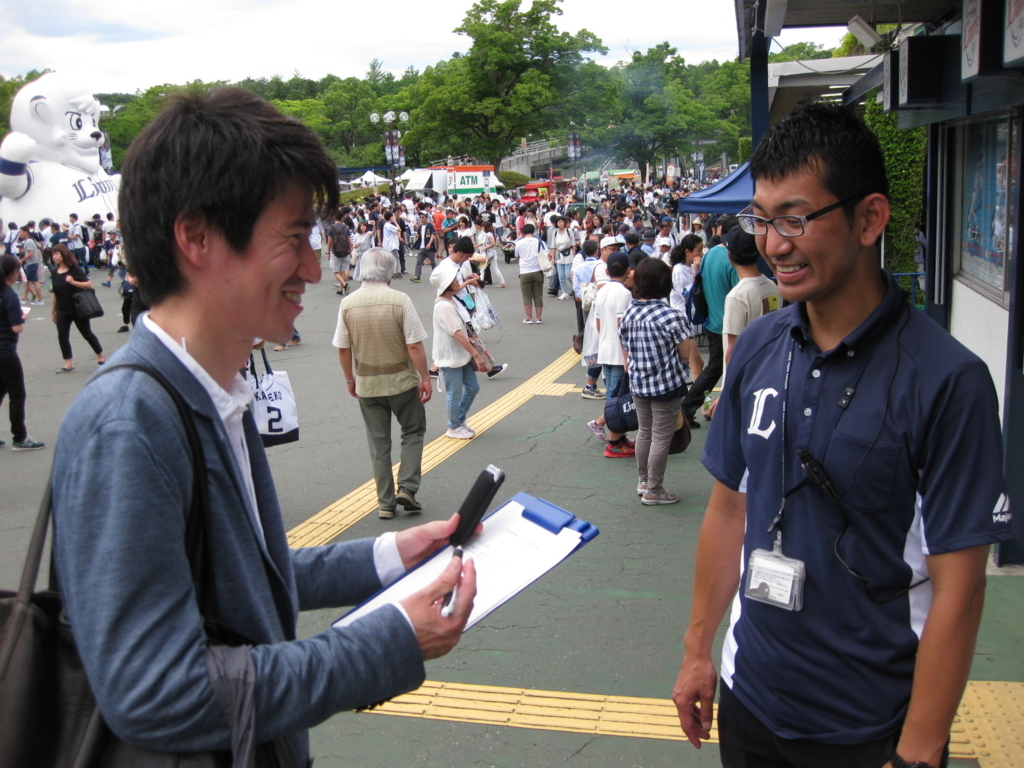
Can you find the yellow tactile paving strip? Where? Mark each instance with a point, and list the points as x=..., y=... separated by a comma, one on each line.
x=544, y=710
x=989, y=726
x=328, y=524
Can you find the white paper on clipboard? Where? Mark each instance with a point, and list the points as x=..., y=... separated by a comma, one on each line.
x=511, y=553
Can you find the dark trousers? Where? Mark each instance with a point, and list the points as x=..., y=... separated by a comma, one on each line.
x=12, y=384
x=425, y=254
x=581, y=320
x=708, y=377
x=412, y=418
x=126, y=309
x=64, y=321
x=745, y=742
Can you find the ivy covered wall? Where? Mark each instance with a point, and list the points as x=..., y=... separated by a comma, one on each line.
x=904, y=153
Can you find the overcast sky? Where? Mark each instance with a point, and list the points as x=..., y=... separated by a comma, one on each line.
x=127, y=45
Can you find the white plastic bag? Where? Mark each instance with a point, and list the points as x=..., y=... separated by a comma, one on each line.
x=591, y=341
x=486, y=316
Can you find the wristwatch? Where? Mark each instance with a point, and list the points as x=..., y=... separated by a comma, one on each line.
x=899, y=762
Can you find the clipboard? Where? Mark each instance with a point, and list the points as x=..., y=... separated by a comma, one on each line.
x=522, y=540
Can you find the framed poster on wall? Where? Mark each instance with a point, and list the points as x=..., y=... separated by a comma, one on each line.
x=987, y=170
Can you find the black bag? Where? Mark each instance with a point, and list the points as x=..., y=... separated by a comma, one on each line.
x=620, y=411
x=697, y=300
x=48, y=714
x=681, y=437
x=87, y=306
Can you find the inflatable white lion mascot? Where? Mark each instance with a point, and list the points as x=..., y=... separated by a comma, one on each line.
x=50, y=162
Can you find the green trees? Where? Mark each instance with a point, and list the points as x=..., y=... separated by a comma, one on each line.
x=652, y=114
x=521, y=77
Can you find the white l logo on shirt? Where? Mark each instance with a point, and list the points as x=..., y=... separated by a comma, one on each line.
x=760, y=397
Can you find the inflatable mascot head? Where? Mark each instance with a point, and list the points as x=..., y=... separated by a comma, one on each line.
x=63, y=119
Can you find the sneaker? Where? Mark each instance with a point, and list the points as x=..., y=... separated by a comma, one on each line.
x=385, y=514
x=28, y=444
x=496, y=370
x=459, y=433
x=591, y=392
x=398, y=276
x=105, y=285
x=563, y=297
x=618, y=452
x=468, y=428
x=650, y=498
x=2, y=443
x=36, y=303
x=597, y=430
x=415, y=280
x=538, y=321
x=123, y=329
x=527, y=321
x=407, y=500
x=641, y=487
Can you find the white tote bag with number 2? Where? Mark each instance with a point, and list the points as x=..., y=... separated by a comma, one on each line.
x=273, y=404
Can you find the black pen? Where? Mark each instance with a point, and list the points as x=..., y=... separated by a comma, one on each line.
x=448, y=606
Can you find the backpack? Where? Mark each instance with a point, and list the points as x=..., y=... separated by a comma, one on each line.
x=341, y=245
x=697, y=300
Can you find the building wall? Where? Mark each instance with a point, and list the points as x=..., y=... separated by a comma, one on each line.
x=981, y=325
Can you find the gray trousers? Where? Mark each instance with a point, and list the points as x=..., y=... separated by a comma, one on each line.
x=657, y=425
x=412, y=418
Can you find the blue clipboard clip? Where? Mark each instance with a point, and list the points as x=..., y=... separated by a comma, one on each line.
x=553, y=519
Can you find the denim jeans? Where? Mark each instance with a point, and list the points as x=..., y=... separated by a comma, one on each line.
x=461, y=386
x=563, y=277
x=613, y=375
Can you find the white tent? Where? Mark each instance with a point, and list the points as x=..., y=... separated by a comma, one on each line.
x=371, y=178
x=407, y=175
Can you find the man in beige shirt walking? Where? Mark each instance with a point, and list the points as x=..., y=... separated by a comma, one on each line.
x=380, y=346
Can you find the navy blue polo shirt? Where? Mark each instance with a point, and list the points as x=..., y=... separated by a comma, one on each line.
x=916, y=458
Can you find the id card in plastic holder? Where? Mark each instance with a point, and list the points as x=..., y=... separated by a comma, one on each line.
x=775, y=579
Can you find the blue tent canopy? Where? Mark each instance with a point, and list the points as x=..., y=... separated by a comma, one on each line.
x=730, y=195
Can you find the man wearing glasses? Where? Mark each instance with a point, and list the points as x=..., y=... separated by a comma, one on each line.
x=857, y=458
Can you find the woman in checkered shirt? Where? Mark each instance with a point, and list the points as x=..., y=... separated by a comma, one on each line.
x=653, y=335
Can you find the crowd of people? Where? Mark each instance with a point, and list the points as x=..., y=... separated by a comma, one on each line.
x=587, y=250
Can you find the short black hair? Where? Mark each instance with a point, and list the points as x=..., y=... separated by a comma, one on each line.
x=652, y=279
x=589, y=247
x=829, y=140
x=529, y=229
x=222, y=154
x=8, y=264
x=632, y=238
x=464, y=245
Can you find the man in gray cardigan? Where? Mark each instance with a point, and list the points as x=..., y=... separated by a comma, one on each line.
x=217, y=200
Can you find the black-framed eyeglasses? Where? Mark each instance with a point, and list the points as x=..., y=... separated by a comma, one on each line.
x=789, y=226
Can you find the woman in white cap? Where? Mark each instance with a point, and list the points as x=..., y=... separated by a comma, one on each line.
x=453, y=354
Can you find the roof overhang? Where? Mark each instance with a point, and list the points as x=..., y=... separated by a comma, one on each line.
x=793, y=82
x=781, y=14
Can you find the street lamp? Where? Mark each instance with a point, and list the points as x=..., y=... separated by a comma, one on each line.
x=392, y=151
